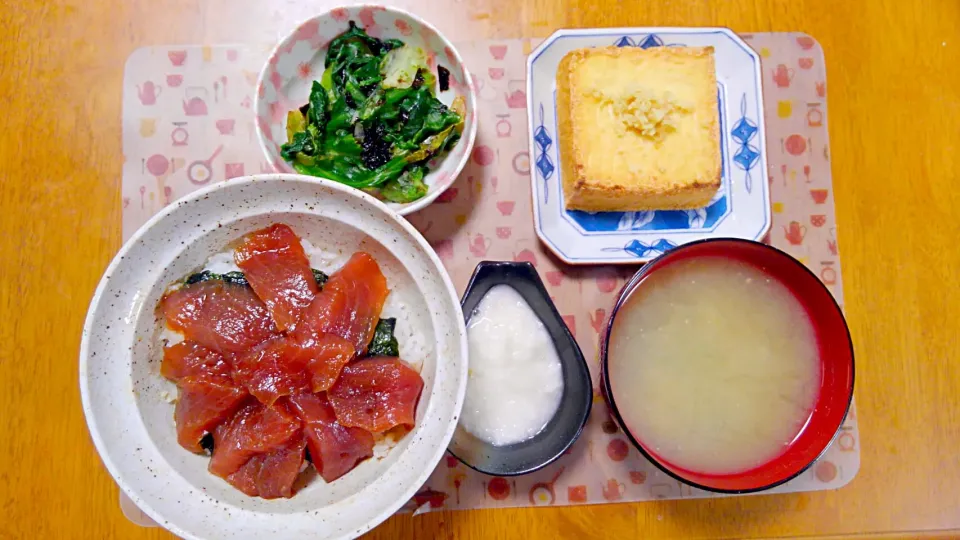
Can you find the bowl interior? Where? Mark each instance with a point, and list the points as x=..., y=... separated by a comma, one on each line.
x=567, y=423
x=127, y=401
x=297, y=61
x=836, y=364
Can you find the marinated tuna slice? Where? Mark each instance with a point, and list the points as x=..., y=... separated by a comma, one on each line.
x=349, y=305
x=376, y=394
x=254, y=429
x=188, y=358
x=268, y=372
x=325, y=356
x=292, y=364
x=334, y=449
x=277, y=268
x=226, y=318
x=271, y=475
x=203, y=404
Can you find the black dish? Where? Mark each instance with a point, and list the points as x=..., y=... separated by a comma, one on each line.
x=567, y=423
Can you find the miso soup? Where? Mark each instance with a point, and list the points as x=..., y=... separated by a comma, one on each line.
x=713, y=365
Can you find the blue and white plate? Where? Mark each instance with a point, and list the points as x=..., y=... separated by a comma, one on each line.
x=741, y=209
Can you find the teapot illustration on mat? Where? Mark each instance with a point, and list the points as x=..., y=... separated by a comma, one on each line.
x=613, y=490
x=515, y=97
x=782, y=75
x=148, y=93
x=194, y=105
x=794, y=233
x=480, y=245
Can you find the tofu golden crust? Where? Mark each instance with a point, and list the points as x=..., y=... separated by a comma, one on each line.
x=639, y=129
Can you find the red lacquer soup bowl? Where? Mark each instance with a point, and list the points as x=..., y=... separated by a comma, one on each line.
x=836, y=365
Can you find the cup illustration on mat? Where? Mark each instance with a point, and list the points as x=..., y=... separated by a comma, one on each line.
x=225, y=126
x=148, y=126
x=819, y=195
x=782, y=75
x=177, y=58
x=784, y=108
x=174, y=80
x=232, y=170
x=638, y=477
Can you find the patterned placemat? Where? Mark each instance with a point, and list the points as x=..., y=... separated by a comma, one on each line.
x=188, y=122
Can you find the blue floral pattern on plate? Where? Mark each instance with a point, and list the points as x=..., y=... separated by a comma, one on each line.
x=628, y=237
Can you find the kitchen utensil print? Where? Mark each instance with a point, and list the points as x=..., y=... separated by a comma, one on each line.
x=148, y=127
x=177, y=57
x=543, y=493
x=201, y=171
x=782, y=76
x=498, y=51
x=225, y=126
x=504, y=128
x=613, y=490
x=499, y=488
x=814, y=115
x=179, y=136
x=158, y=165
x=794, y=233
x=828, y=275
x=194, y=103
x=220, y=89
x=232, y=170
x=516, y=97
x=148, y=93
x=479, y=245
x=485, y=91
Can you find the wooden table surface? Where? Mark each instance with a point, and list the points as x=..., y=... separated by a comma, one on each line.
x=894, y=97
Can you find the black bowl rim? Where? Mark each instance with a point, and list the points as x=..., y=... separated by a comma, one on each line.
x=605, y=343
x=535, y=278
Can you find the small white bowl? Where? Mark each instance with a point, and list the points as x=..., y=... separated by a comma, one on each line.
x=126, y=401
x=297, y=61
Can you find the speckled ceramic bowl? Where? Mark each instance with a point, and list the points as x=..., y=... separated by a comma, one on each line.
x=297, y=61
x=123, y=393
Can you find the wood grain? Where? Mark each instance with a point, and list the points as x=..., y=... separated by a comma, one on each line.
x=894, y=95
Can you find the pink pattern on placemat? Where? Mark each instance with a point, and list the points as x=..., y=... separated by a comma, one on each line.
x=486, y=214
